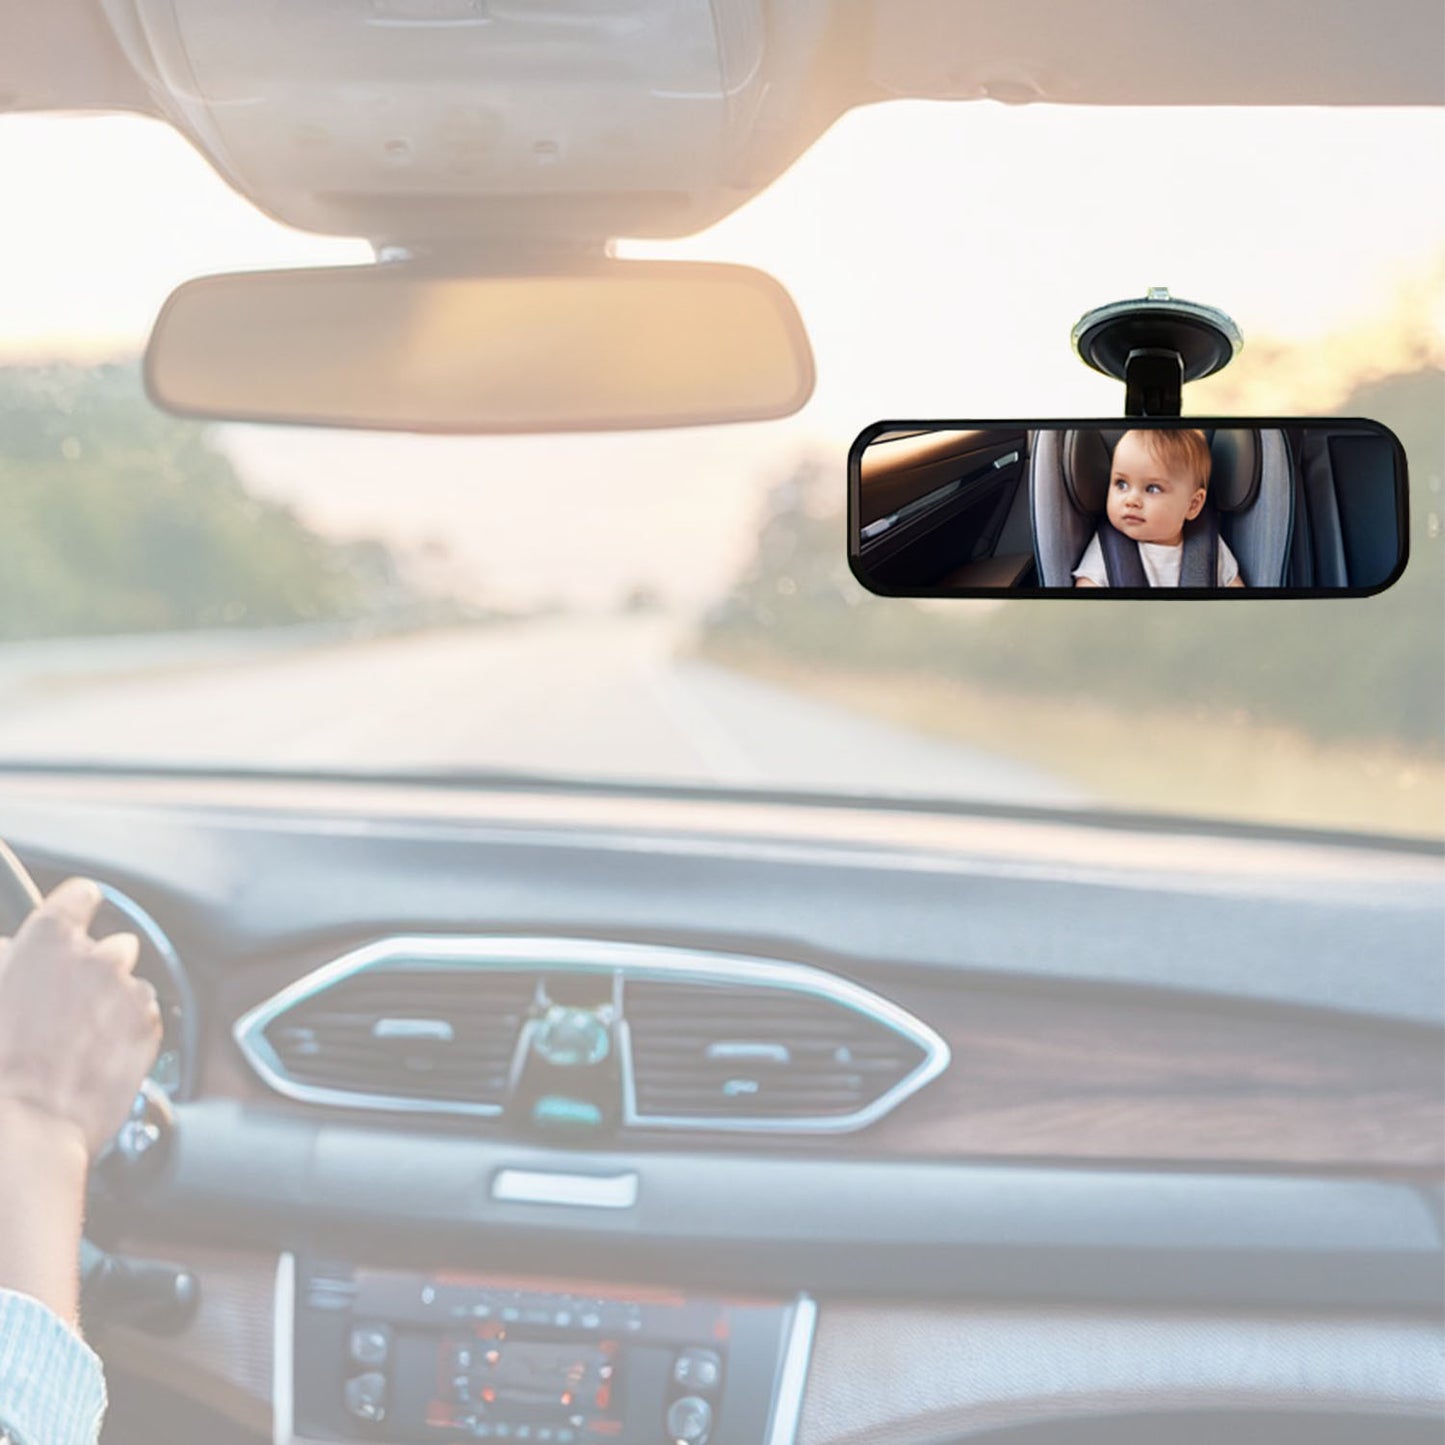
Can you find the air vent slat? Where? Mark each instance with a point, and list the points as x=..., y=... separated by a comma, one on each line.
x=408, y=1089
x=418, y=1005
x=338, y=1077
x=397, y=1065
x=369, y=1070
x=840, y=1092
x=812, y=1030
x=795, y=1061
x=702, y=1072
x=362, y=1033
x=477, y=1008
x=755, y=1107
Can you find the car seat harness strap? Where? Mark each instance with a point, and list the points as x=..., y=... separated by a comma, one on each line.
x=1198, y=567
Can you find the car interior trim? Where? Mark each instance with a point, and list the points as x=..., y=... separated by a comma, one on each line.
x=581, y=1191
x=910, y=510
x=973, y=1364
x=793, y=1379
x=981, y=1367
x=1217, y=1237
x=283, y=1382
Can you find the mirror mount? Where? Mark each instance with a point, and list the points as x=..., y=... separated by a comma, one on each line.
x=519, y=255
x=1154, y=345
x=1153, y=382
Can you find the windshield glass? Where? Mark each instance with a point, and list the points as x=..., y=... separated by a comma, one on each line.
x=676, y=607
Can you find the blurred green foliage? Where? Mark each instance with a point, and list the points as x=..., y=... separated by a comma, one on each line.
x=119, y=518
x=1370, y=668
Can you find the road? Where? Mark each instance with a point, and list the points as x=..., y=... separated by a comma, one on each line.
x=600, y=698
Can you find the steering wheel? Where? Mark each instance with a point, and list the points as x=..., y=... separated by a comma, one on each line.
x=139, y=1149
x=146, y=1294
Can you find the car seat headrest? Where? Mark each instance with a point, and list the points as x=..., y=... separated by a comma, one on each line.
x=1236, y=465
x=1234, y=468
x=1087, y=457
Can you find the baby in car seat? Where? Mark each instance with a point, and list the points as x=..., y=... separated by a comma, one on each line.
x=1158, y=481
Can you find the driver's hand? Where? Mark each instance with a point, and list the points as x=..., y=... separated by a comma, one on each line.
x=78, y=1031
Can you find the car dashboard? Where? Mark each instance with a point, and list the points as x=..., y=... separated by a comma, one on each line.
x=527, y=1112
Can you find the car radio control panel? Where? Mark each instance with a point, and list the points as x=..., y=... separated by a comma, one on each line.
x=388, y=1355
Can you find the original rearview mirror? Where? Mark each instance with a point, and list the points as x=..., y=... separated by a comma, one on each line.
x=1182, y=507
x=389, y=347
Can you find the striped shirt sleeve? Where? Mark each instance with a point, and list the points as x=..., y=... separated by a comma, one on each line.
x=52, y=1389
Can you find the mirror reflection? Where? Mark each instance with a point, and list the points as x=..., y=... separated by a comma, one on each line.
x=1148, y=506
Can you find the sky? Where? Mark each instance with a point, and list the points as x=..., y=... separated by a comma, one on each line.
x=939, y=254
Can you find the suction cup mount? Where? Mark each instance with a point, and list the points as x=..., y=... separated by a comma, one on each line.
x=1154, y=345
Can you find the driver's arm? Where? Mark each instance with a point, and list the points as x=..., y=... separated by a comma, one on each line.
x=77, y=1034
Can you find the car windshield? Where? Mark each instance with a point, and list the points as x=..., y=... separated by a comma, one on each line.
x=675, y=607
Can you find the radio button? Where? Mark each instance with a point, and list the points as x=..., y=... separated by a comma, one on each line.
x=697, y=1370
x=366, y=1396
x=370, y=1344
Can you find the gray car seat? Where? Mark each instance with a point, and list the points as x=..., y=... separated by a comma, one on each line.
x=1251, y=487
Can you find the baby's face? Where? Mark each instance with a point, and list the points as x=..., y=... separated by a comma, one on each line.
x=1147, y=501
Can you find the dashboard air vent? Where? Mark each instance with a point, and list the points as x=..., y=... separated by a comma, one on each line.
x=714, y=1054
x=595, y=1031
x=395, y=1036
